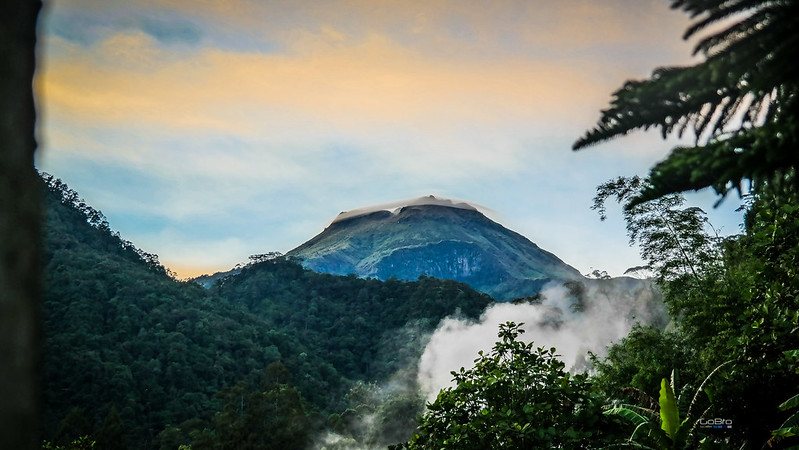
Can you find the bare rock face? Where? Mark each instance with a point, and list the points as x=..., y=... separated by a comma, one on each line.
x=434, y=237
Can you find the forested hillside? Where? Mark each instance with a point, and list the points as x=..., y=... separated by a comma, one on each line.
x=136, y=359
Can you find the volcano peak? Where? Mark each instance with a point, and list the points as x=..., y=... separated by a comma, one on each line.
x=435, y=236
x=396, y=206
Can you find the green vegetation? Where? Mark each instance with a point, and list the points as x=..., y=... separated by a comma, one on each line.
x=733, y=302
x=136, y=359
x=675, y=423
x=268, y=357
x=739, y=103
x=733, y=299
x=790, y=427
x=518, y=396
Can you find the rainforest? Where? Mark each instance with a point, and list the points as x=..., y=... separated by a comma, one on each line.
x=105, y=347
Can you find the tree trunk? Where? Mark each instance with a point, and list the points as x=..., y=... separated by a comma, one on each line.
x=20, y=233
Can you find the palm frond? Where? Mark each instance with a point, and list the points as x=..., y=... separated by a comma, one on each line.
x=756, y=24
x=717, y=12
x=740, y=102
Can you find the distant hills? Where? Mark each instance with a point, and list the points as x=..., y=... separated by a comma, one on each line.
x=436, y=237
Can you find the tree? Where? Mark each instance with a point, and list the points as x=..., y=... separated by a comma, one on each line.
x=704, y=278
x=740, y=102
x=790, y=427
x=517, y=396
x=270, y=417
x=111, y=436
x=20, y=227
x=735, y=299
x=673, y=240
x=72, y=427
x=639, y=361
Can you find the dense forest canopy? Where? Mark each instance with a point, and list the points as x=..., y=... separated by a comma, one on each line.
x=129, y=345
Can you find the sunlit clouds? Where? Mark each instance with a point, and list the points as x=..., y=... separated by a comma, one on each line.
x=238, y=127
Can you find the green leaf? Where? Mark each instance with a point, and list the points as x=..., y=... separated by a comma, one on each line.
x=650, y=430
x=669, y=417
x=786, y=432
x=627, y=414
x=792, y=402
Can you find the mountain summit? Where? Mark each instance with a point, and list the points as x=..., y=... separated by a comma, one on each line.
x=437, y=237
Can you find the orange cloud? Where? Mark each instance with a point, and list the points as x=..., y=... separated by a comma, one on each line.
x=416, y=83
x=360, y=84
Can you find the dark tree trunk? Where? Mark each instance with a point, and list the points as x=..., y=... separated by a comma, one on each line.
x=20, y=233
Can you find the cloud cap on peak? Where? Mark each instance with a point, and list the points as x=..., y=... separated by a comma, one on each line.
x=426, y=200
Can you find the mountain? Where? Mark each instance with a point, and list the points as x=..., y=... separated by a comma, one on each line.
x=436, y=237
x=136, y=359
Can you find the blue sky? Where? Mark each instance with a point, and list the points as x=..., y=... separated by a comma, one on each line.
x=210, y=130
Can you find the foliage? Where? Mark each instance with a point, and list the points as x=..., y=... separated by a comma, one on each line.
x=379, y=416
x=81, y=443
x=791, y=425
x=639, y=360
x=79, y=213
x=131, y=353
x=690, y=262
x=663, y=428
x=121, y=334
x=740, y=102
x=348, y=319
x=740, y=305
x=673, y=239
x=730, y=299
x=272, y=416
x=517, y=396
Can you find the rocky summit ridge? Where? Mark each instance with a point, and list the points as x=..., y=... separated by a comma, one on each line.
x=438, y=237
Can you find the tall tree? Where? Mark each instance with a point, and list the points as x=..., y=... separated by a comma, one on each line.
x=19, y=227
x=517, y=396
x=740, y=102
x=741, y=303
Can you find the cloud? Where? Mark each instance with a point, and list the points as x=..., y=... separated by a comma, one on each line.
x=609, y=310
x=354, y=58
x=171, y=31
x=370, y=107
x=89, y=26
x=299, y=110
x=346, y=63
x=430, y=84
x=372, y=97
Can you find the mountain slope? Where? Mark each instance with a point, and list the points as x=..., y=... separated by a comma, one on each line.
x=434, y=237
x=125, y=341
x=120, y=334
